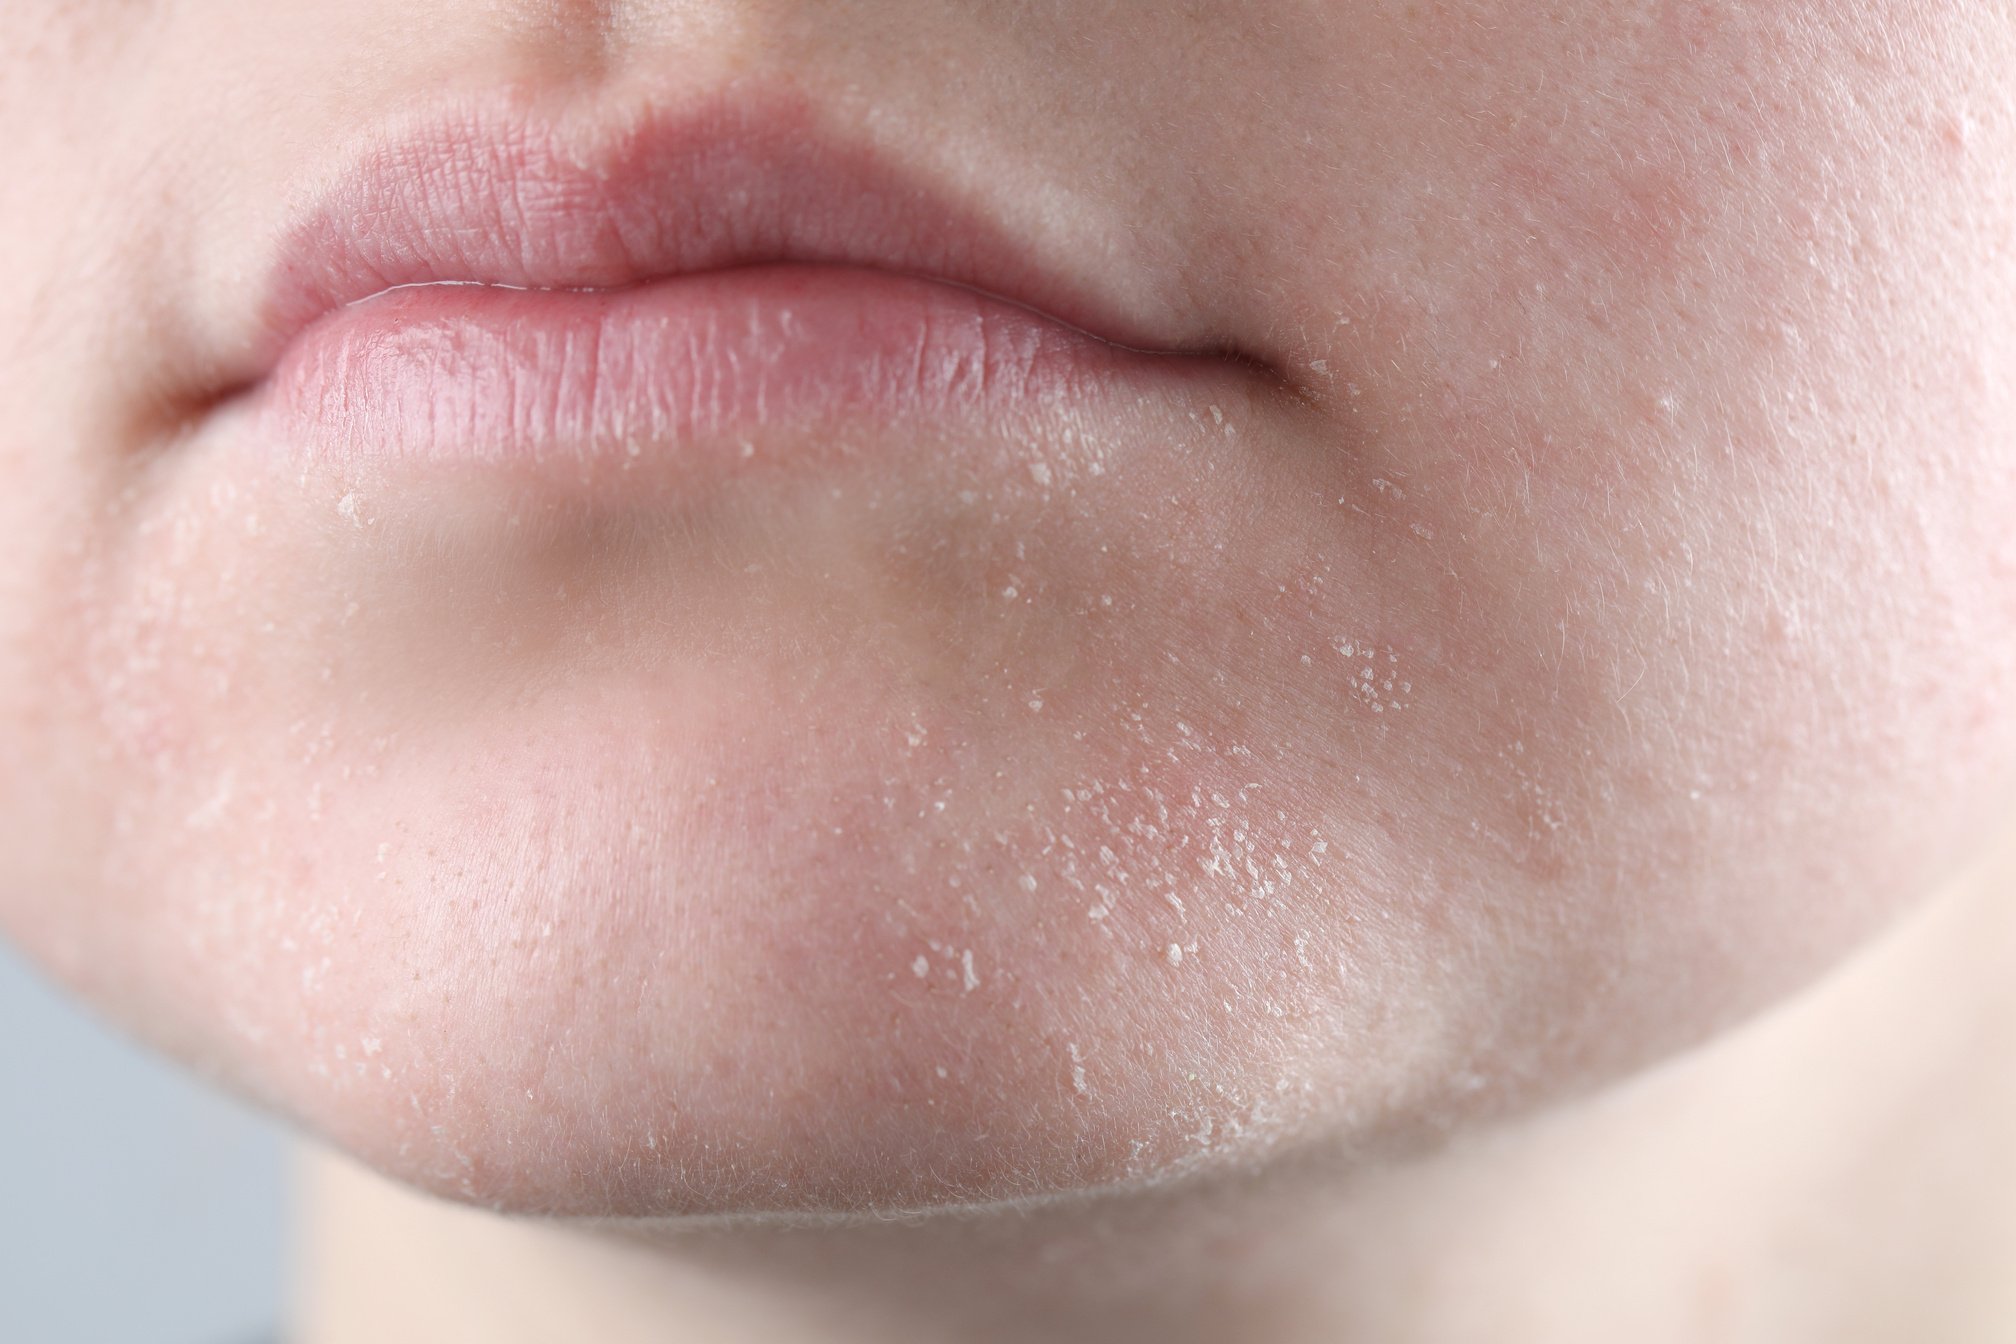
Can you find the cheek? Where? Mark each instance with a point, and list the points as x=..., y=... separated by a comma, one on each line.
x=1714, y=435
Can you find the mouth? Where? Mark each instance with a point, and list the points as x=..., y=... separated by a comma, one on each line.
x=488, y=286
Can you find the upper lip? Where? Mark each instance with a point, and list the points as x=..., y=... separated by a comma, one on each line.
x=496, y=194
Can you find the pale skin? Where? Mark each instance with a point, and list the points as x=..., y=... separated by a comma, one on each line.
x=1488, y=826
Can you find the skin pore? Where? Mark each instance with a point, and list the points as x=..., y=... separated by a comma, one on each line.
x=1462, y=806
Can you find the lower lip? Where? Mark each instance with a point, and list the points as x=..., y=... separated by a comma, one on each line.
x=687, y=368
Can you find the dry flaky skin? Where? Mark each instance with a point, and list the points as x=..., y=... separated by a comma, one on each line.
x=1618, y=628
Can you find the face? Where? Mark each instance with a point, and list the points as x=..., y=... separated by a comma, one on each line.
x=1524, y=582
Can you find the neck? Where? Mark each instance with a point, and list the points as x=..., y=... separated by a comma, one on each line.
x=1842, y=1167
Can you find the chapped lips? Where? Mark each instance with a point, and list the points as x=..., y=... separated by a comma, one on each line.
x=499, y=198
x=484, y=286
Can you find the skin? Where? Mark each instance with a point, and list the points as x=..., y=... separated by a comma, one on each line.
x=1629, y=392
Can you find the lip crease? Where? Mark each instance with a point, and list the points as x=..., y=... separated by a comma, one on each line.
x=483, y=285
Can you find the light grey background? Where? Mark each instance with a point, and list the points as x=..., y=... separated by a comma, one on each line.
x=136, y=1206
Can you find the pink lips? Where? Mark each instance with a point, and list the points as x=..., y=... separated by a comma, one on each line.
x=489, y=290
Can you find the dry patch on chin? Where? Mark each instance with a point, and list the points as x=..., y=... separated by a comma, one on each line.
x=754, y=974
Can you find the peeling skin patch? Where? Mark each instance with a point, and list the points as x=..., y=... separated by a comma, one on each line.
x=971, y=980
x=1377, y=683
x=1541, y=808
x=921, y=967
x=1152, y=846
x=1077, y=1070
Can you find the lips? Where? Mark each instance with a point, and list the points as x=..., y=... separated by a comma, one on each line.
x=490, y=286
